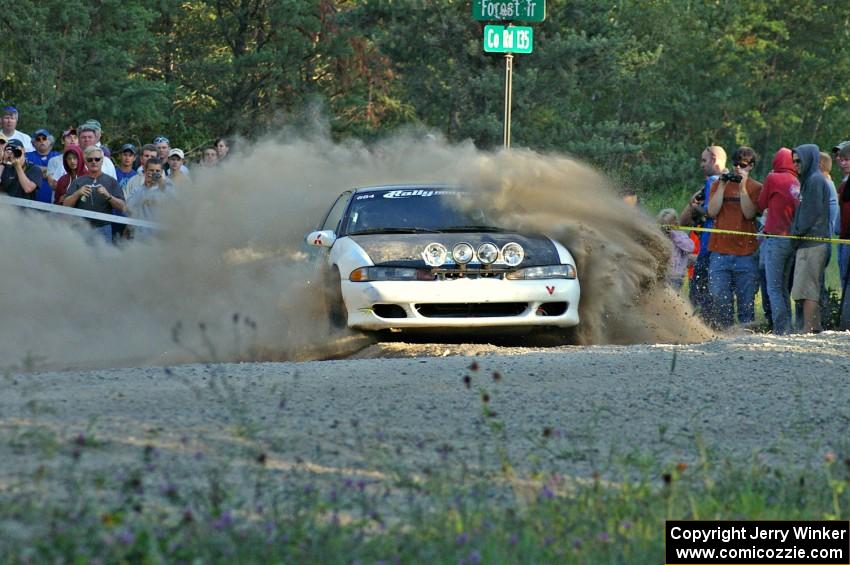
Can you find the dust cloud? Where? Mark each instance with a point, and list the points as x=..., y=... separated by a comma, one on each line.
x=231, y=278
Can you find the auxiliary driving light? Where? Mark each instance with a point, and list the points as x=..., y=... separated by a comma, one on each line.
x=462, y=253
x=435, y=254
x=513, y=254
x=488, y=253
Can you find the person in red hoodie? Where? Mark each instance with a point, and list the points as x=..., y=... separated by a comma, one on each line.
x=75, y=166
x=779, y=199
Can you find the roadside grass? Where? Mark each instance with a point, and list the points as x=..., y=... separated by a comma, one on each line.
x=444, y=521
x=161, y=508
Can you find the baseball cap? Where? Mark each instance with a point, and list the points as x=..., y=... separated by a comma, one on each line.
x=161, y=139
x=94, y=123
x=178, y=152
x=10, y=110
x=840, y=146
x=69, y=131
x=87, y=126
x=128, y=147
x=41, y=131
x=15, y=143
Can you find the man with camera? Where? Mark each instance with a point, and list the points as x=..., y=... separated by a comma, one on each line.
x=18, y=177
x=88, y=134
x=713, y=164
x=96, y=192
x=733, y=267
x=145, y=199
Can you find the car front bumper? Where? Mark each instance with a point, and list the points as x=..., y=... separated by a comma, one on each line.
x=461, y=303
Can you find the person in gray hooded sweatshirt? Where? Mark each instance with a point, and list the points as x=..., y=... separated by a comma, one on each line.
x=811, y=219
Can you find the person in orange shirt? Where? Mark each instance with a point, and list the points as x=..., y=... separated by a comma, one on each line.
x=733, y=268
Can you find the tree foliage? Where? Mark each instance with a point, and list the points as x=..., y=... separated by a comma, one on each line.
x=636, y=86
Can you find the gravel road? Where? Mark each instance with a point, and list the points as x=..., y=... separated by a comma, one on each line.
x=408, y=406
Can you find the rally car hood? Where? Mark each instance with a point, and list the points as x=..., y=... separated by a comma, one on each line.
x=406, y=249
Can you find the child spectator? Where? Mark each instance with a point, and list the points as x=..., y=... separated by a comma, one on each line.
x=682, y=252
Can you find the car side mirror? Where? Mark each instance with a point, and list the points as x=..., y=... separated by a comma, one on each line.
x=322, y=238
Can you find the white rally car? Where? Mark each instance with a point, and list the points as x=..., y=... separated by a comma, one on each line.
x=418, y=257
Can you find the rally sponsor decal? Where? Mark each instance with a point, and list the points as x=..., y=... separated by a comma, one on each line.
x=422, y=193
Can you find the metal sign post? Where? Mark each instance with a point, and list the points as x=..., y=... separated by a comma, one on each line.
x=509, y=79
x=508, y=39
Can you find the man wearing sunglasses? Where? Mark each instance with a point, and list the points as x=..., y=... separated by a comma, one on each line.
x=18, y=177
x=88, y=135
x=96, y=192
x=42, y=155
x=733, y=267
x=811, y=220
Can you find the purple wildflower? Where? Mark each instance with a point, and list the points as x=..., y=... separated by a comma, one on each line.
x=546, y=493
x=604, y=537
x=169, y=490
x=474, y=557
x=514, y=539
x=224, y=521
x=462, y=538
x=126, y=537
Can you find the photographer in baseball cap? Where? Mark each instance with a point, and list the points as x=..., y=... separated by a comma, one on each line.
x=18, y=177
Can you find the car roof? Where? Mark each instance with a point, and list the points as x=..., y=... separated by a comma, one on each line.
x=401, y=187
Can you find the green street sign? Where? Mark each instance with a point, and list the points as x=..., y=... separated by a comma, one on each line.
x=509, y=10
x=513, y=39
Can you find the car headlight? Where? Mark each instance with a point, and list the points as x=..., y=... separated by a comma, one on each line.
x=513, y=254
x=545, y=272
x=367, y=274
x=488, y=253
x=462, y=253
x=435, y=254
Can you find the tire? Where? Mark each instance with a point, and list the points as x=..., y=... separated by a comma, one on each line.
x=553, y=337
x=334, y=303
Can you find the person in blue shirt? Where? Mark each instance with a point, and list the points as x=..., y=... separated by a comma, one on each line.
x=713, y=163
x=43, y=152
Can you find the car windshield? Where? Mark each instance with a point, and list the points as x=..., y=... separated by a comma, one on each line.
x=416, y=210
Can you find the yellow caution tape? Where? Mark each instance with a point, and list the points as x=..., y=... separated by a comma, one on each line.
x=733, y=232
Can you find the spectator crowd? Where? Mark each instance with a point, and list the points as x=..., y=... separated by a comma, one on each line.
x=774, y=237
x=83, y=174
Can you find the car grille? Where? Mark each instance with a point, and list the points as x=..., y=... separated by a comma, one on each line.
x=472, y=310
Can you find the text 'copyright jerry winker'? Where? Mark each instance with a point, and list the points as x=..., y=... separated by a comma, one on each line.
x=757, y=542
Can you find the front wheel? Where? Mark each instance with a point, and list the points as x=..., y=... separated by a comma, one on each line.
x=334, y=303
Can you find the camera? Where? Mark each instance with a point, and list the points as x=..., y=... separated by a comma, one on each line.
x=156, y=176
x=731, y=177
x=17, y=152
